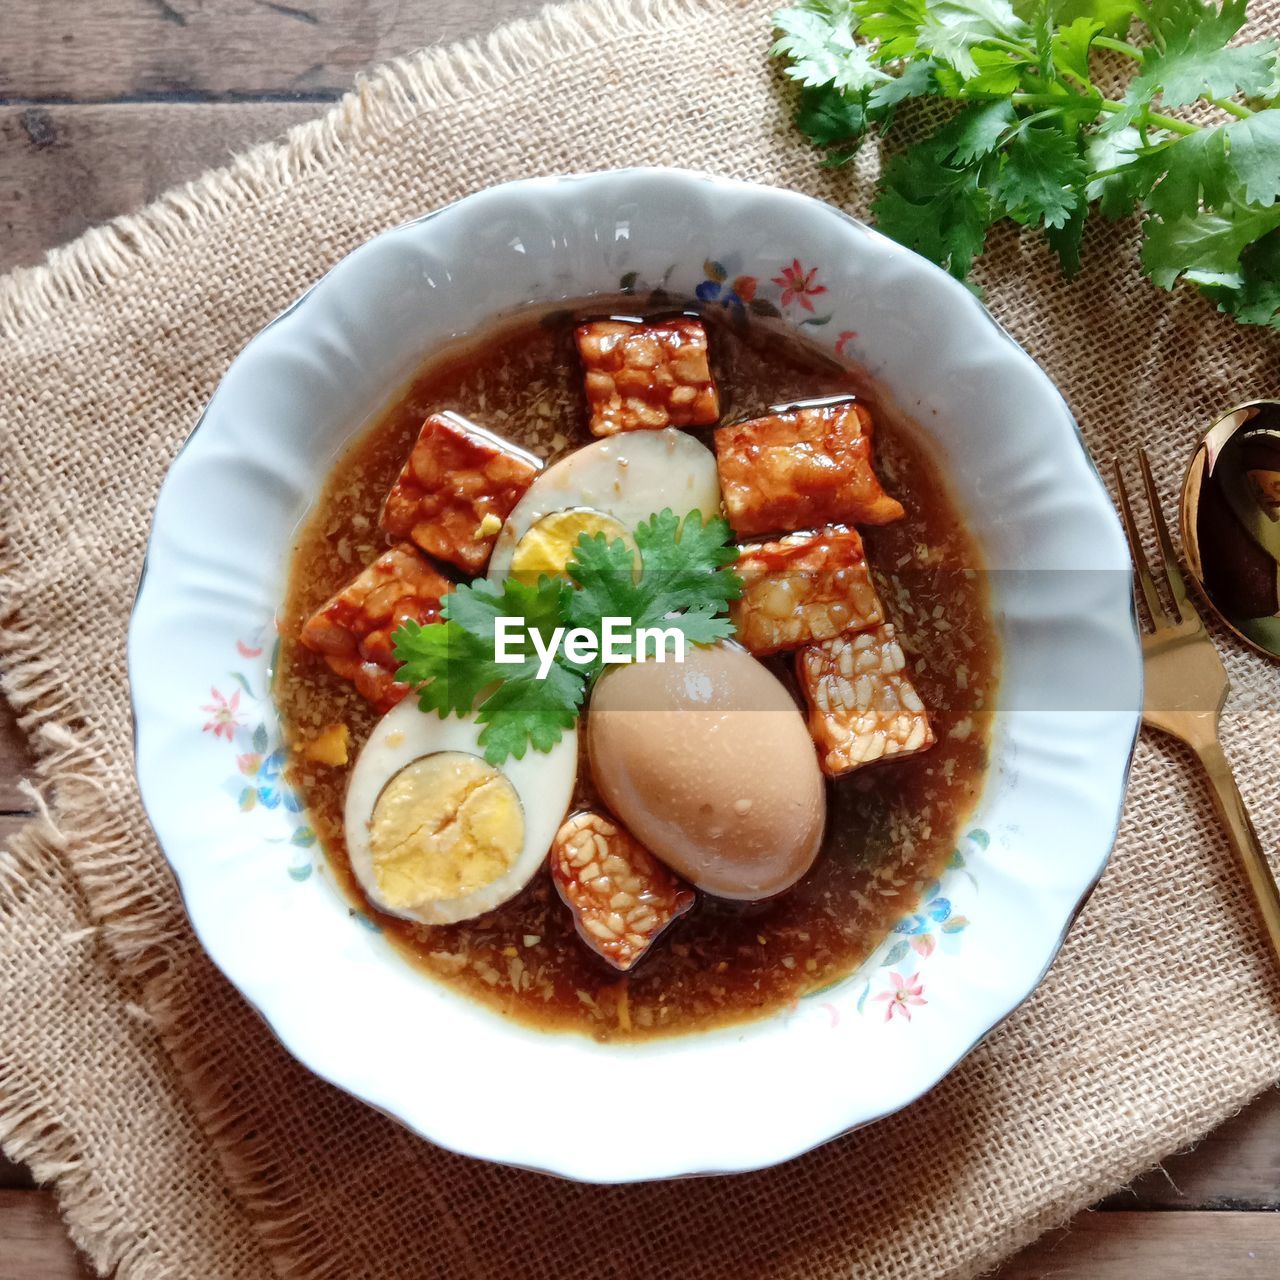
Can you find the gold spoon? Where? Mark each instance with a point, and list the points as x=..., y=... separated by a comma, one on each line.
x=1231, y=522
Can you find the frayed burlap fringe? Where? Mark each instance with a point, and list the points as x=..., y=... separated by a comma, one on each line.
x=400, y=92
x=136, y=929
x=30, y=1131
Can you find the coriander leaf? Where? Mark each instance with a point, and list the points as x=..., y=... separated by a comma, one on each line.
x=527, y=710
x=1179, y=175
x=1209, y=242
x=821, y=45
x=702, y=626
x=1071, y=45
x=1271, y=94
x=1119, y=183
x=1192, y=59
x=1257, y=300
x=604, y=572
x=1065, y=240
x=1040, y=143
x=916, y=80
x=952, y=28
x=454, y=665
x=934, y=208
x=829, y=117
x=894, y=23
x=1201, y=70
x=1254, y=152
x=683, y=580
x=450, y=666
x=477, y=605
x=1041, y=177
x=998, y=72
x=979, y=130
x=684, y=559
x=1112, y=16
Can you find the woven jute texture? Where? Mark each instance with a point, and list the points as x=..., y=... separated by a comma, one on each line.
x=183, y=1140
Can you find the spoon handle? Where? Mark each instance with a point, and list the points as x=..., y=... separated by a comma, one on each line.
x=1244, y=839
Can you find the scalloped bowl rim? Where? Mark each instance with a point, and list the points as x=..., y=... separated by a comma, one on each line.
x=238, y=455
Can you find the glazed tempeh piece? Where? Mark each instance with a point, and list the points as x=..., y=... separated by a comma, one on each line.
x=804, y=588
x=801, y=468
x=862, y=706
x=647, y=376
x=353, y=630
x=455, y=490
x=621, y=896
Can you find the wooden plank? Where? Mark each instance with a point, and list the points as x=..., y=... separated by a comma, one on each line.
x=64, y=169
x=14, y=1177
x=1096, y=1246
x=34, y=1244
x=15, y=760
x=1235, y=1167
x=128, y=49
x=1154, y=1246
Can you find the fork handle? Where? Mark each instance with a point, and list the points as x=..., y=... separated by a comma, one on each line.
x=1244, y=839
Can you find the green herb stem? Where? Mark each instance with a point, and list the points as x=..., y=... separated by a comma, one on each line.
x=1118, y=46
x=1046, y=100
x=1132, y=51
x=1030, y=121
x=1107, y=105
x=1181, y=127
x=1232, y=108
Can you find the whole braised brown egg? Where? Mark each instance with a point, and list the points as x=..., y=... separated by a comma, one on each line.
x=710, y=765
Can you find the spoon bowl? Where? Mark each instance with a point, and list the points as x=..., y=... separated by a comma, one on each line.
x=1231, y=522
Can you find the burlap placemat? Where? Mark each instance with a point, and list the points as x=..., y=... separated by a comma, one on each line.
x=182, y=1140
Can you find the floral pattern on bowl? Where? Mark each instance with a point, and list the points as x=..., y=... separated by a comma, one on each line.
x=208, y=762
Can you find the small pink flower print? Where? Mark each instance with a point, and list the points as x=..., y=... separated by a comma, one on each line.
x=843, y=338
x=248, y=650
x=902, y=994
x=798, y=285
x=223, y=715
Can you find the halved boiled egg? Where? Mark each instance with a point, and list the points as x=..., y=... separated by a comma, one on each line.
x=609, y=487
x=435, y=833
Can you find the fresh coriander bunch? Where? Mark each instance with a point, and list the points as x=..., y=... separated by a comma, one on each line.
x=1032, y=137
x=681, y=582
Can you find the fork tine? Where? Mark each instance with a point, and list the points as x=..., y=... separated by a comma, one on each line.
x=1177, y=587
x=1140, y=567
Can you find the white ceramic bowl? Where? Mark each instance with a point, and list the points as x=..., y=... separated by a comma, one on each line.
x=207, y=736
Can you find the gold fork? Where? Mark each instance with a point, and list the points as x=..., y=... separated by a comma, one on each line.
x=1186, y=687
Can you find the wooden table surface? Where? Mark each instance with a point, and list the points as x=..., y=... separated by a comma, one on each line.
x=105, y=104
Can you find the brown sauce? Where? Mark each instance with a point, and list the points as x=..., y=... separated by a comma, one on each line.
x=891, y=827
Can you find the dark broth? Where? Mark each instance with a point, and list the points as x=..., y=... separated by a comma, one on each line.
x=891, y=827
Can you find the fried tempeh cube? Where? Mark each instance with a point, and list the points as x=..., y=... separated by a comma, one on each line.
x=862, y=706
x=455, y=490
x=801, y=468
x=804, y=588
x=353, y=630
x=646, y=376
x=621, y=896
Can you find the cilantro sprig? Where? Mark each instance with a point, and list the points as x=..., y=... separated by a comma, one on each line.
x=681, y=582
x=1032, y=136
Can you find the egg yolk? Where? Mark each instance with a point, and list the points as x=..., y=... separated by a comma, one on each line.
x=444, y=826
x=550, y=542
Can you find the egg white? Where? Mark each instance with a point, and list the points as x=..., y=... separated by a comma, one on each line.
x=630, y=476
x=543, y=783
